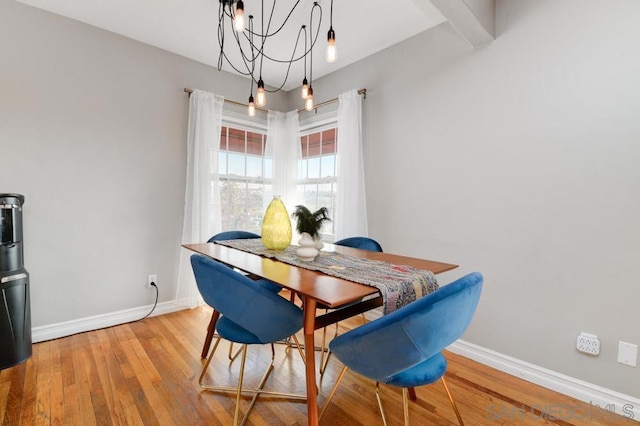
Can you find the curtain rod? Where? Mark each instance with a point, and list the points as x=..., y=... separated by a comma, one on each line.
x=362, y=92
x=190, y=91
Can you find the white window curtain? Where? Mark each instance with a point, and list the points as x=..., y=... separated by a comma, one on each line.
x=351, y=205
x=283, y=147
x=202, y=210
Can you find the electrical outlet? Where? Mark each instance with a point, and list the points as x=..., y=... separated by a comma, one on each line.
x=152, y=279
x=588, y=343
x=628, y=353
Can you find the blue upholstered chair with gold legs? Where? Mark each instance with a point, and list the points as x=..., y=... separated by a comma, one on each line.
x=244, y=235
x=249, y=314
x=404, y=348
x=222, y=236
x=362, y=243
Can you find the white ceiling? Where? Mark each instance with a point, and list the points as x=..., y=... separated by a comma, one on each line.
x=189, y=27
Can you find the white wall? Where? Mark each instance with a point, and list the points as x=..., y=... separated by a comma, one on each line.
x=93, y=133
x=519, y=160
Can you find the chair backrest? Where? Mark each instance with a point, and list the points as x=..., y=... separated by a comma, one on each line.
x=364, y=243
x=233, y=235
x=244, y=235
x=262, y=312
x=413, y=333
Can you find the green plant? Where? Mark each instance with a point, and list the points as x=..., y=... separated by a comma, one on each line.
x=310, y=222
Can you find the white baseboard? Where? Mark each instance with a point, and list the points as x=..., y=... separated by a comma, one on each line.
x=67, y=328
x=598, y=397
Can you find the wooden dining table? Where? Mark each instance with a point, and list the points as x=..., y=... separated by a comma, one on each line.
x=345, y=298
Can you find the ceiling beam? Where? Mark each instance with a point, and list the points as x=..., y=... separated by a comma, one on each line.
x=474, y=20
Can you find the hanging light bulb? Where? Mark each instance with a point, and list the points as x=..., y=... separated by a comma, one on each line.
x=305, y=84
x=308, y=103
x=251, y=108
x=261, y=97
x=332, y=52
x=238, y=20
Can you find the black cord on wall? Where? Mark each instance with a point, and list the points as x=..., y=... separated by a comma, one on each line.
x=154, y=303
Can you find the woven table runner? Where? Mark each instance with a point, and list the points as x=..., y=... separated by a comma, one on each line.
x=398, y=284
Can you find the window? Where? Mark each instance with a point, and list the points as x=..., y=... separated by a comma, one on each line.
x=317, y=172
x=244, y=173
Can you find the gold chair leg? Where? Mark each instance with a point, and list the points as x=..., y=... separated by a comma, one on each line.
x=405, y=406
x=322, y=349
x=299, y=347
x=453, y=404
x=325, y=352
x=263, y=381
x=239, y=390
x=384, y=419
x=206, y=364
x=333, y=392
x=233, y=356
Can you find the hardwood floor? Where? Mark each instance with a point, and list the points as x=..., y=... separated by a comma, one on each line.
x=146, y=373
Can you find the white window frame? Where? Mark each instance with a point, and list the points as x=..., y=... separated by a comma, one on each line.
x=317, y=124
x=238, y=121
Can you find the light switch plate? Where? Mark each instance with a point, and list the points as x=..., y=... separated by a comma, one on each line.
x=628, y=353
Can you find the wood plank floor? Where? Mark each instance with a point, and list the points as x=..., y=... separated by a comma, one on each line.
x=146, y=373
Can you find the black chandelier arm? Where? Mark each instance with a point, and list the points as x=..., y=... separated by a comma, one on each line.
x=313, y=42
x=267, y=34
x=251, y=60
x=305, y=48
x=331, y=15
x=222, y=56
x=251, y=49
x=231, y=15
x=260, y=50
x=254, y=55
x=286, y=76
x=221, y=35
x=314, y=39
x=290, y=62
x=293, y=59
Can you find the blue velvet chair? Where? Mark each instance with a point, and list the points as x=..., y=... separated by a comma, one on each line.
x=244, y=235
x=404, y=348
x=249, y=314
x=233, y=235
x=363, y=243
x=222, y=236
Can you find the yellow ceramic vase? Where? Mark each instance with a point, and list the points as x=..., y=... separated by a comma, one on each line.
x=276, y=226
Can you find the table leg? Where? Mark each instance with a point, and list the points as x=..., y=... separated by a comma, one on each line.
x=210, y=330
x=412, y=394
x=309, y=307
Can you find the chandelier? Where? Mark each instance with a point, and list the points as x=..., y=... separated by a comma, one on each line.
x=253, y=46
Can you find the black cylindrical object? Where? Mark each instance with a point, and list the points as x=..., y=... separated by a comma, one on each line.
x=15, y=309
